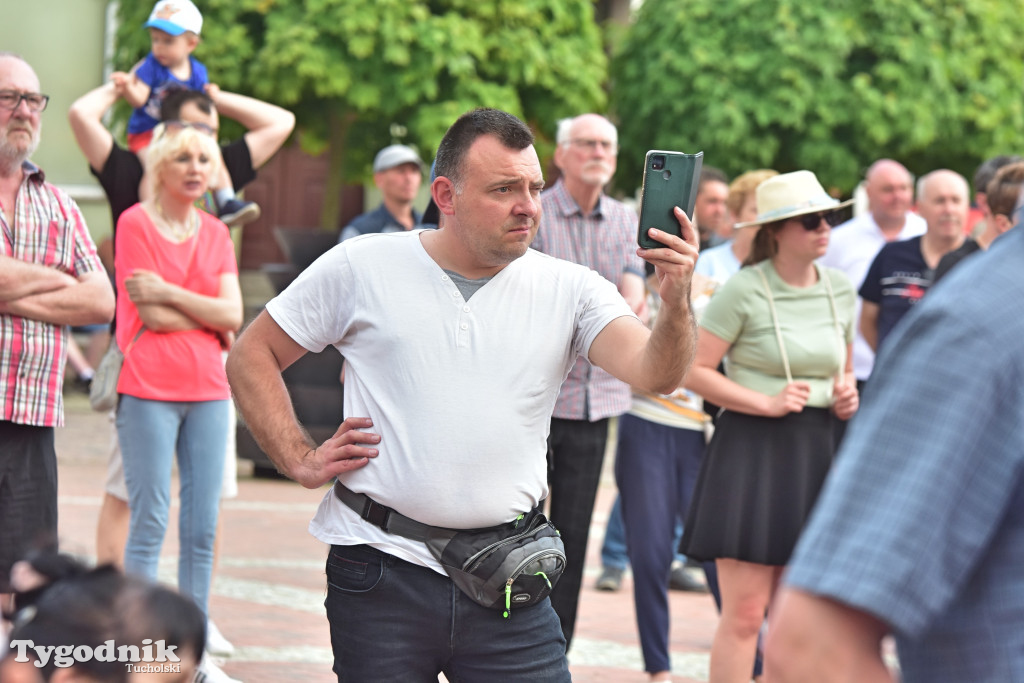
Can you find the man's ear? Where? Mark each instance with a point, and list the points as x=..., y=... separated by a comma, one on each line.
x=443, y=192
x=1003, y=223
x=559, y=154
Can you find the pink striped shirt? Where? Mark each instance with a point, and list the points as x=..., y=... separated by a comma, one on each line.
x=604, y=241
x=48, y=230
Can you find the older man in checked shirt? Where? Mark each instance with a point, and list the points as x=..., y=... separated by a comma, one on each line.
x=50, y=277
x=583, y=225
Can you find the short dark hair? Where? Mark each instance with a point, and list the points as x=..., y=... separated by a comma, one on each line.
x=451, y=153
x=711, y=174
x=170, y=108
x=1003, y=191
x=987, y=171
x=84, y=606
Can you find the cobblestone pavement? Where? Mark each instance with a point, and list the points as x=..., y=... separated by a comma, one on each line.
x=268, y=590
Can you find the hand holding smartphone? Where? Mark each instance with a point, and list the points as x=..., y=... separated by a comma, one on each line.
x=671, y=179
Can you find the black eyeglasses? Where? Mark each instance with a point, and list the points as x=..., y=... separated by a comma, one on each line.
x=811, y=221
x=173, y=126
x=11, y=100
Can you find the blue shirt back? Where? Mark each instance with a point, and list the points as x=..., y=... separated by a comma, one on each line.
x=921, y=521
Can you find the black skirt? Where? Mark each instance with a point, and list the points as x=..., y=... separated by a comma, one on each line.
x=758, y=482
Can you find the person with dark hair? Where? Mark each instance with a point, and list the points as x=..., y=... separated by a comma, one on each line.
x=983, y=175
x=710, y=209
x=50, y=277
x=1001, y=198
x=456, y=340
x=119, y=171
x=65, y=604
x=786, y=325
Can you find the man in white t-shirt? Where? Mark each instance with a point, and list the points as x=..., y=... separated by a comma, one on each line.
x=457, y=341
x=855, y=243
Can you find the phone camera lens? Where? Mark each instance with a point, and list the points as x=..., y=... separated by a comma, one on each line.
x=657, y=162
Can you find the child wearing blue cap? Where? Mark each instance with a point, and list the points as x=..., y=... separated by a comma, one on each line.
x=174, y=27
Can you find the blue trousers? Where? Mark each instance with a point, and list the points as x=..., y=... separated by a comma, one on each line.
x=613, y=549
x=656, y=469
x=392, y=620
x=150, y=433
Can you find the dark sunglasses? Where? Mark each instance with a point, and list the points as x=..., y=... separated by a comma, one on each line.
x=174, y=126
x=811, y=221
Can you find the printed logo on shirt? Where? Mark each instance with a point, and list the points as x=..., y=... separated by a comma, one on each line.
x=909, y=286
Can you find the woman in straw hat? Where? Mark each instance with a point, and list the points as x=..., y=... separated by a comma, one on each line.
x=784, y=326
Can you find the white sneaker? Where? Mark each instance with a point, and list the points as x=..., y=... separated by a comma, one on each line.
x=216, y=643
x=208, y=672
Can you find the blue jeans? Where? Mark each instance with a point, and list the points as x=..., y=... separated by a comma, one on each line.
x=392, y=620
x=150, y=432
x=613, y=549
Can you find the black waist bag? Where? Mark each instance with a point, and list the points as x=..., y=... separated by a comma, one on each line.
x=509, y=565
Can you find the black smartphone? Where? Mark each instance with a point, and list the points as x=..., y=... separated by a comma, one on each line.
x=670, y=180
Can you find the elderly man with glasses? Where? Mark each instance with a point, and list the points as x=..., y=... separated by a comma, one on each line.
x=50, y=277
x=580, y=223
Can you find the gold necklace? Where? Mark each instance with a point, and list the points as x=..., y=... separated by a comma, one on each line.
x=180, y=232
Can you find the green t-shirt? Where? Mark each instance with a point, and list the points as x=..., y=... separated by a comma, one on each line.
x=739, y=314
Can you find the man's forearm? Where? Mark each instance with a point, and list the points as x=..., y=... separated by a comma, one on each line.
x=19, y=279
x=671, y=347
x=267, y=124
x=87, y=301
x=265, y=405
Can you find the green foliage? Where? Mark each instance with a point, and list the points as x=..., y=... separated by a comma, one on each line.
x=831, y=87
x=374, y=63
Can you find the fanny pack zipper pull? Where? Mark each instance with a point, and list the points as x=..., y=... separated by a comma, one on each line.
x=508, y=598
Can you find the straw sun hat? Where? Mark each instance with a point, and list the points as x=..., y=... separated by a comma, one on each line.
x=789, y=195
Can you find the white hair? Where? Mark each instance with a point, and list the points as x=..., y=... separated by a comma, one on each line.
x=563, y=134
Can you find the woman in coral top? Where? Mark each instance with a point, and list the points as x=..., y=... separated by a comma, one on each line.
x=178, y=301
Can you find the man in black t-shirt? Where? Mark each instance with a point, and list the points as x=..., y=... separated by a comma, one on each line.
x=1002, y=200
x=119, y=171
x=902, y=271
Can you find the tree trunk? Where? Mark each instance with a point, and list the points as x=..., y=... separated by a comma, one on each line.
x=337, y=154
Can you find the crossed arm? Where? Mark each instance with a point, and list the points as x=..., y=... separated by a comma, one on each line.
x=166, y=307
x=41, y=293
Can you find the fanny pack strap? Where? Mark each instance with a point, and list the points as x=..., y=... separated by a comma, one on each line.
x=382, y=516
x=394, y=522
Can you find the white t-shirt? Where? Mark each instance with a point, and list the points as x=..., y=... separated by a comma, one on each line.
x=460, y=392
x=852, y=247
